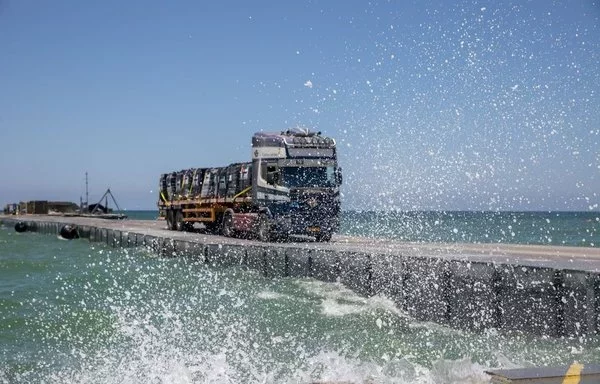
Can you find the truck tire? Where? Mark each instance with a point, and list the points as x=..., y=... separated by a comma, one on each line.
x=227, y=225
x=263, y=230
x=170, y=219
x=281, y=237
x=178, y=223
x=323, y=237
x=210, y=227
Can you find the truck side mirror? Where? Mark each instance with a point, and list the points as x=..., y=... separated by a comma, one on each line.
x=338, y=175
x=272, y=176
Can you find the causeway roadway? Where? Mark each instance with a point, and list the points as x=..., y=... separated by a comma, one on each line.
x=585, y=259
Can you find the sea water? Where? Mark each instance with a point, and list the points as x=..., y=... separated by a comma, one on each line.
x=542, y=228
x=80, y=312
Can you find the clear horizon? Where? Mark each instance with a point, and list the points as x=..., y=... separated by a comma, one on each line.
x=435, y=105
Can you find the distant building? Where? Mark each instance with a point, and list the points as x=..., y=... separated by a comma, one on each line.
x=11, y=209
x=62, y=207
x=40, y=207
x=36, y=207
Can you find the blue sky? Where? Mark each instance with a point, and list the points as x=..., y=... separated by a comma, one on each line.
x=479, y=105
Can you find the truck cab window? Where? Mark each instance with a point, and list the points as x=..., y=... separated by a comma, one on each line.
x=272, y=174
x=308, y=177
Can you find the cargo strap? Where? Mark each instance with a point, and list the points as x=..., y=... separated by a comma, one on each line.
x=192, y=181
x=241, y=193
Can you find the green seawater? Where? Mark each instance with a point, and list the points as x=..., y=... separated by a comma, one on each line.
x=581, y=229
x=80, y=312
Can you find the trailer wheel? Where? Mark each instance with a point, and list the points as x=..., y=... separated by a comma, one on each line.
x=263, y=231
x=227, y=225
x=323, y=237
x=170, y=219
x=210, y=227
x=179, y=224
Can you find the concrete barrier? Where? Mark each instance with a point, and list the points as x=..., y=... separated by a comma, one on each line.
x=386, y=276
x=299, y=262
x=356, y=272
x=472, y=297
x=577, y=299
x=529, y=301
x=325, y=265
x=424, y=289
x=275, y=263
x=84, y=231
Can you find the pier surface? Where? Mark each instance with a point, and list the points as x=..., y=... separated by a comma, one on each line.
x=546, y=290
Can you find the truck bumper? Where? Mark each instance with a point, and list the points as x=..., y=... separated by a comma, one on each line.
x=305, y=226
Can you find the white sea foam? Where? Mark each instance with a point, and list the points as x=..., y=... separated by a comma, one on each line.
x=220, y=351
x=170, y=321
x=173, y=366
x=270, y=295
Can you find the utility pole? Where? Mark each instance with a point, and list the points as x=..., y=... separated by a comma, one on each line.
x=87, y=200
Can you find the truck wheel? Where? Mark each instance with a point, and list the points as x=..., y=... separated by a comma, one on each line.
x=282, y=237
x=170, y=219
x=210, y=227
x=227, y=225
x=179, y=224
x=263, y=232
x=323, y=237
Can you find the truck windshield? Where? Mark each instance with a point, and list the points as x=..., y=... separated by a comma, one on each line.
x=309, y=177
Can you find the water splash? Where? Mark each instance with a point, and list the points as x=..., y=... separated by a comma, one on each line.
x=102, y=315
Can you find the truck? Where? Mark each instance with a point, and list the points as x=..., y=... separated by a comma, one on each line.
x=290, y=188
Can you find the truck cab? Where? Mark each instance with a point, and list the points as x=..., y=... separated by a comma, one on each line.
x=296, y=182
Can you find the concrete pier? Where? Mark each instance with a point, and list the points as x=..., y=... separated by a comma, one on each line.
x=541, y=290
